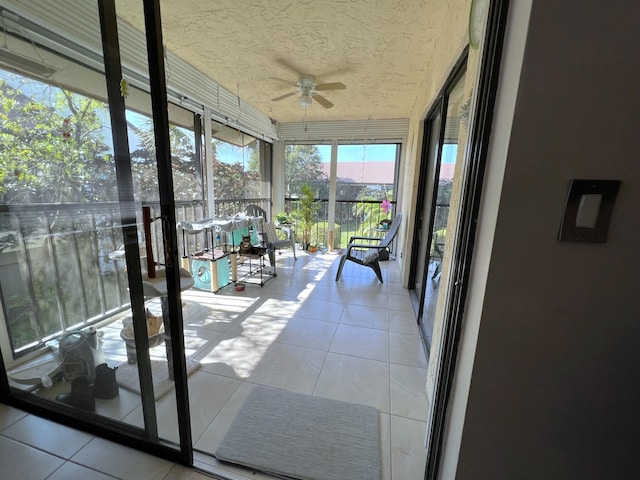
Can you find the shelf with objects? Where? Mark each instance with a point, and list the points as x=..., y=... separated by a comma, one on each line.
x=251, y=265
x=216, y=265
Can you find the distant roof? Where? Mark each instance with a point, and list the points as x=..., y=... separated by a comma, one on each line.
x=446, y=171
x=372, y=173
x=369, y=173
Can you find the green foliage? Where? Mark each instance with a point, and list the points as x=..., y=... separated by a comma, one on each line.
x=320, y=233
x=306, y=213
x=254, y=156
x=282, y=217
x=144, y=163
x=24, y=324
x=303, y=166
x=368, y=193
x=371, y=213
x=437, y=242
x=444, y=192
x=40, y=161
x=232, y=180
x=53, y=149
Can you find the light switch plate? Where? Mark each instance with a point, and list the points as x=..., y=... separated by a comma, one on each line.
x=579, y=199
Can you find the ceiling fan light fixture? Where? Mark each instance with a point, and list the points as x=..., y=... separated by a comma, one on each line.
x=305, y=100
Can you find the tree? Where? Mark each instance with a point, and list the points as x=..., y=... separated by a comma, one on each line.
x=231, y=180
x=53, y=149
x=303, y=165
x=183, y=154
x=52, y=152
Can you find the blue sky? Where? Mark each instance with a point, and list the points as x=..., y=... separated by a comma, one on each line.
x=359, y=153
x=376, y=153
x=449, y=153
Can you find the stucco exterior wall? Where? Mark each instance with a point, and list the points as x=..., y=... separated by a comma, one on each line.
x=450, y=48
x=450, y=45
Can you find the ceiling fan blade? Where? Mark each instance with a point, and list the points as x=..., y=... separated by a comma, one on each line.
x=282, y=97
x=331, y=86
x=322, y=101
x=287, y=64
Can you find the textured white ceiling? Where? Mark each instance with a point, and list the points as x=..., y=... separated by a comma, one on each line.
x=378, y=48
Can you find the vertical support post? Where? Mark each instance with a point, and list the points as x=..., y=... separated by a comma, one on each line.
x=124, y=178
x=164, y=302
x=278, y=189
x=208, y=164
x=146, y=222
x=157, y=76
x=213, y=268
x=234, y=267
x=333, y=175
x=184, y=263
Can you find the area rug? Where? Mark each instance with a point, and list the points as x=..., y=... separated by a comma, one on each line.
x=127, y=376
x=298, y=436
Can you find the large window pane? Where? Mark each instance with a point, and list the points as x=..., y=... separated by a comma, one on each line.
x=366, y=171
x=307, y=165
x=365, y=178
x=58, y=220
x=240, y=170
x=143, y=157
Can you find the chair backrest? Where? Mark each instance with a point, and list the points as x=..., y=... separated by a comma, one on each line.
x=255, y=211
x=393, y=231
x=269, y=230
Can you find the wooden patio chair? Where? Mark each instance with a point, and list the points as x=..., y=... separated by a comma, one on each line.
x=366, y=250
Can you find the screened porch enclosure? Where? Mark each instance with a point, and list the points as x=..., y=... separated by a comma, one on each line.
x=60, y=221
x=58, y=272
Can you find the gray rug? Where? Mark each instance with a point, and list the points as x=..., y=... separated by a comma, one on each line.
x=127, y=376
x=298, y=436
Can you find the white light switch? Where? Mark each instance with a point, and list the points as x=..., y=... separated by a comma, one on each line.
x=588, y=210
x=587, y=213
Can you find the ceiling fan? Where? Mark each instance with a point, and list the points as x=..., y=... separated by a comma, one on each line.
x=308, y=87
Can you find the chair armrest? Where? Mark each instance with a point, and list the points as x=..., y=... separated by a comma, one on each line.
x=351, y=246
x=364, y=238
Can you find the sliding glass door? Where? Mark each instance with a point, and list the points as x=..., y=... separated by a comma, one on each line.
x=91, y=330
x=437, y=217
x=424, y=268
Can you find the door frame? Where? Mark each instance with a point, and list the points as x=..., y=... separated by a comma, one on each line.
x=429, y=178
x=477, y=147
x=423, y=183
x=108, y=428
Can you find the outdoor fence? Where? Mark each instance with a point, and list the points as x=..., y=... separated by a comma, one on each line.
x=55, y=270
x=352, y=217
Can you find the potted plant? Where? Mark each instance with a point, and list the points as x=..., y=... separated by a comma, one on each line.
x=306, y=213
x=282, y=218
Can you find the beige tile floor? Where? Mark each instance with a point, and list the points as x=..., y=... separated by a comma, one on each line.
x=354, y=340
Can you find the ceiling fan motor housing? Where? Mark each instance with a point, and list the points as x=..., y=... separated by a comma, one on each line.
x=308, y=87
